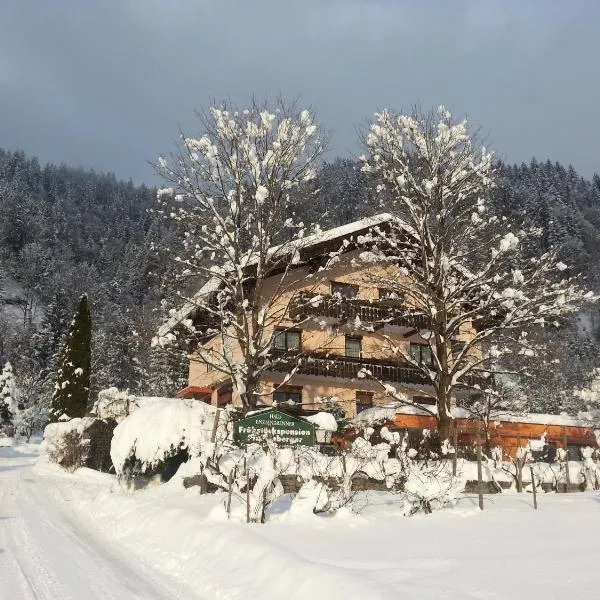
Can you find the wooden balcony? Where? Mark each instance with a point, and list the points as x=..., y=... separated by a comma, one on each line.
x=344, y=367
x=374, y=314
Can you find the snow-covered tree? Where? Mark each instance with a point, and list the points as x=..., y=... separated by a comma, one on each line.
x=462, y=268
x=235, y=194
x=588, y=397
x=499, y=400
x=71, y=389
x=8, y=396
x=168, y=370
x=33, y=401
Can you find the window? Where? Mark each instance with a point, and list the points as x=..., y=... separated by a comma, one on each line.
x=421, y=353
x=288, y=394
x=364, y=400
x=353, y=347
x=345, y=290
x=425, y=400
x=287, y=340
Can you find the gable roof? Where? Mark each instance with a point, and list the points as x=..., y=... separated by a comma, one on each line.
x=312, y=245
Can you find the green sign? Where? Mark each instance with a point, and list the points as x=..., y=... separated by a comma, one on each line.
x=283, y=429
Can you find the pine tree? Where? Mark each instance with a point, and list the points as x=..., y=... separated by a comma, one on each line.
x=71, y=390
x=7, y=396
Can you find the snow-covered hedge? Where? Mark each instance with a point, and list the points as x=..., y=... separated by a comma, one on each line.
x=165, y=429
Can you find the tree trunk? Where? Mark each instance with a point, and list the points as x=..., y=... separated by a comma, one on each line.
x=488, y=439
x=445, y=425
x=249, y=397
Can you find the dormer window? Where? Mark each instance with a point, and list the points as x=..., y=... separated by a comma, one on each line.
x=344, y=290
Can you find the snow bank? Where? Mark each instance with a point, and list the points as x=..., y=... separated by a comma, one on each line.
x=188, y=537
x=323, y=420
x=159, y=428
x=376, y=415
x=379, y=555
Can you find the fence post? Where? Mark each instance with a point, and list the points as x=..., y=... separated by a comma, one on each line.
x=519, y=465
x=455, y=444
x=247, y=494
x=230, y=491
x=479, y=472
x=566, y=449
x=263, y=516
x=213, y=435
x=533, y=488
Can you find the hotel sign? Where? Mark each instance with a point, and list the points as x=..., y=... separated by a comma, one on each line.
x=283, y=429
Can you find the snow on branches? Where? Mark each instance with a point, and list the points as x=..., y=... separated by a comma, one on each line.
x=470, y=273
x=234, y=194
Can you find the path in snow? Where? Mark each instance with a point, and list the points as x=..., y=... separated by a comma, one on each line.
x=47, y=553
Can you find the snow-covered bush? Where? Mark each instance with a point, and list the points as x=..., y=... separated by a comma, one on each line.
x=251, y=475
x=161, y=429
x=80, y=442
x=419, y=477
x=114, y=403
x=429, y=486
x=70, y=452
x=590, y=469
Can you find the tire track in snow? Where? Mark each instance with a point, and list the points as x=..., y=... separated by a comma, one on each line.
x=47, y=554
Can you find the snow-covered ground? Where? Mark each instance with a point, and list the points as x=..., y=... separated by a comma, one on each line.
x=51, y=551
x=80, y=536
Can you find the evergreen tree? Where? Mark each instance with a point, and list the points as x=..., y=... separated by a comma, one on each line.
x=50, y=337
x=7, y=396
x=167, y=373
x=71, y=390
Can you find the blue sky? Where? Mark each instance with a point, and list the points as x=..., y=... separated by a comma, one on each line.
x=108, y=84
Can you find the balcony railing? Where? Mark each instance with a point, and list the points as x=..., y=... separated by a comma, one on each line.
x=349, y=368
x=346, y=310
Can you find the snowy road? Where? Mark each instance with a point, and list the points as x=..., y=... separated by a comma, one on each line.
x=47, y=553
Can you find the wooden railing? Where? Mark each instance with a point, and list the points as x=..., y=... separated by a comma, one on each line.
x=375, y=314
x=349, y=368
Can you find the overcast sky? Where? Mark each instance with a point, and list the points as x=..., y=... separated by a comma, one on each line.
x=106, y=84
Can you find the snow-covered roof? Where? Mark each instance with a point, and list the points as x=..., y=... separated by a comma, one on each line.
x=214, y=283
x=542, y=419
x=389, y=411
x=180, y=315
x=347, y=230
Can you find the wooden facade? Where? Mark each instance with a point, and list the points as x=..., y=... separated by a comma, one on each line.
x=511, y=434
